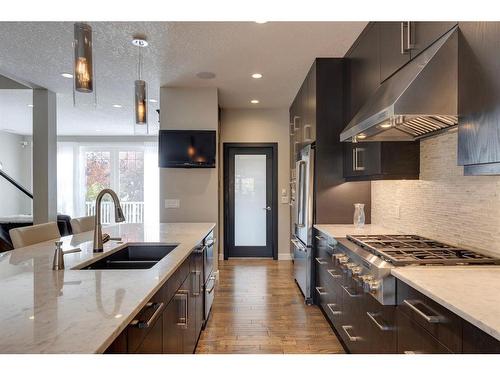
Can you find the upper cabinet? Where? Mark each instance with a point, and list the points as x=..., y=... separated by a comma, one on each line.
x=364, y=66
x=423, y=34
x=394, y=49
x=479, y=98
x=399, y=42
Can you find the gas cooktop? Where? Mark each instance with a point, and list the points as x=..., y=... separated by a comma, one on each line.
x=405, y=249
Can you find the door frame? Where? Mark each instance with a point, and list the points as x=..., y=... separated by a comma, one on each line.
x=274, y=192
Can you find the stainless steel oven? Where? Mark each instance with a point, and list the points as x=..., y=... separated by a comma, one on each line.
x=208, y=275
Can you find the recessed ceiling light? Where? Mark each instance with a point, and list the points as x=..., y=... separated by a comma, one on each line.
x=30, y=105
x=117, y=106
x=386, y=125
x=361, y=136
x=260, y=22
x=206, y=75
x=153, y=101
x=257, y=75
x=67, y=75
x=254, y=101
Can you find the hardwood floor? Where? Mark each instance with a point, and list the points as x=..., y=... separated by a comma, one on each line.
x=258, y=308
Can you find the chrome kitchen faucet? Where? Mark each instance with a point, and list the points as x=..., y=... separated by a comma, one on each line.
x=119, y=217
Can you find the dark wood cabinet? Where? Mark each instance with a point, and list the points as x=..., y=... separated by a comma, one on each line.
x=476, y=341
x=479, y=98
x=393, y=49
x=424, y=33
x=364, y=67
x=172, y=320
x=318, y=115
x=412, y=339
x=381, y=160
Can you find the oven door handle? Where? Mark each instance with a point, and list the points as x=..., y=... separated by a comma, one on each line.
x=298, y=246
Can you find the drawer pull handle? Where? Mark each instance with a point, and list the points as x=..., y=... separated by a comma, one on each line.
x=331, y=306
x=349, y=293
x=351, y=338
x=382, y=327
x=320, y=291
x=319, y=238
x=331, y=247
x=334, y=275
x=320, y=261
x=428, y=318
x=149, y=323
x=211, y=278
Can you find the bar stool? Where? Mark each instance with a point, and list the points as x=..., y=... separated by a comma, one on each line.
x=82, y=224
x=26, y=236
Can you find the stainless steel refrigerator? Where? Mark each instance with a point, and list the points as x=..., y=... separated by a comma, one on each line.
x=302, y=238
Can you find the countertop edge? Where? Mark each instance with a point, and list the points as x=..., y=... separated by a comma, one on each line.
x=489, y=330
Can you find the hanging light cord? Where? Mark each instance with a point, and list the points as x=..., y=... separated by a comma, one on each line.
x=139, y=65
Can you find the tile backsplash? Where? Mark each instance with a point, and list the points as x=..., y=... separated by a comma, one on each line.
x=444, y=204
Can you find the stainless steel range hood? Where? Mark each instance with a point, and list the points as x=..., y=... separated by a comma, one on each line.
x=417, y=101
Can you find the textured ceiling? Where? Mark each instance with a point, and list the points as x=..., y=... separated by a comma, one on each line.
x=282, y=51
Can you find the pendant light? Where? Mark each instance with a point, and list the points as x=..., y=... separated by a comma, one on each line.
x=83, y=68
x=140, y=90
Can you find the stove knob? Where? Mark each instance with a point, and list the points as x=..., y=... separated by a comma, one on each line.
x=356, y=271
x=372, y=286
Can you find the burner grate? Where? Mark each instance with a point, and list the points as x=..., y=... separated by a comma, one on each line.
x=413, y=249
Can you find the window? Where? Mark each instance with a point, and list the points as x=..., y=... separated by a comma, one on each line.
x=131, y=170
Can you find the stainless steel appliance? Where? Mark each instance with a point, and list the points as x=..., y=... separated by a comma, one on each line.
x=418, y=100
x=368, y=259
x=302, y=238
x=206, y=253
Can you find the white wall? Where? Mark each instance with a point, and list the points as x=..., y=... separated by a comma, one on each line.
x=196, y=189
x=16, y=161
x=265, y=126
x=444, y=204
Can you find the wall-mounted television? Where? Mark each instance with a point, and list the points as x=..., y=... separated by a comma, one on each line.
x=187, y=149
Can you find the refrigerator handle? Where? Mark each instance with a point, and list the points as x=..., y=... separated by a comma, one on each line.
x=300, y=193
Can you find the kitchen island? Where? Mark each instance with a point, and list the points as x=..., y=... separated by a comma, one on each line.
x=83, y=311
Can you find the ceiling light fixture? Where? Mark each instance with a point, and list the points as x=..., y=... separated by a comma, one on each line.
x=260, y=22
x=257, y=75
x=83, y=67
x=117, y=106
x=67, y=75
x=140, y=103
x=153, y=101
x=361, y=136
x=254, y=101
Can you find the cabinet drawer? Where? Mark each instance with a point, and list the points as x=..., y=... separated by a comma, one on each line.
x=329, y=294
x=380, y=327
x=176, y=280
x=144, y=323
x=413, y=339
x=476, y=341
x=441, y=323
x=351, y=329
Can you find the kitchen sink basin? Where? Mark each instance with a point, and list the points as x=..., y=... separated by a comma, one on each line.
x=133, y=256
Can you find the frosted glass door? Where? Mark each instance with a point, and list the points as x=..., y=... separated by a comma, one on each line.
x=250, y=200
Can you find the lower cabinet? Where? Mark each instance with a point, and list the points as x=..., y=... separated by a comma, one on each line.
x=171, y=321
x=416, y=324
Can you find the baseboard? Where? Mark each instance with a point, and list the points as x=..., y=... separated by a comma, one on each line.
x=284, y=256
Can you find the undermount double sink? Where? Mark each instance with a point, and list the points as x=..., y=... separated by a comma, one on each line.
x=133, y=256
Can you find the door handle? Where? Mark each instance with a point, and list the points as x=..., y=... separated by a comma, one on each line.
x=268, y=208
x=429, y=318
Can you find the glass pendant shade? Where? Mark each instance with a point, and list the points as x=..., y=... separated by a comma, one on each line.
x=83, y=69
x=141, y=109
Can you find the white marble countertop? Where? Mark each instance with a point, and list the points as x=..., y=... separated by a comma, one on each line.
x=82, y=311
x=471, y=292
x=342, y=230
